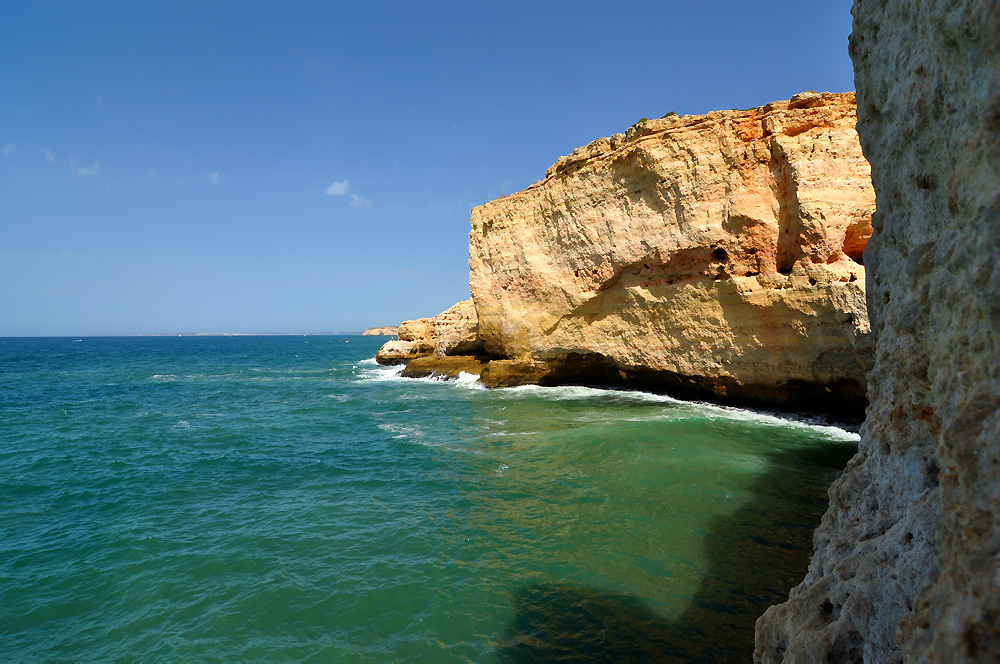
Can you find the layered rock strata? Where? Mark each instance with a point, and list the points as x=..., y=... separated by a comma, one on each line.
x=387, y=331
x=719, y=254
x=906, y=559
x=452, y=332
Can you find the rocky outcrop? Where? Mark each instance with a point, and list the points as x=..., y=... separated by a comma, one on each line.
x=379, y=332
x=444, y=367
x=452, y=332
x=719, y=254
x=906, y=559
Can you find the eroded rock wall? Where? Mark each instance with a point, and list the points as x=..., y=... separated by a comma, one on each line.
x=719, y=253
x=454, y=331
x=906, y=560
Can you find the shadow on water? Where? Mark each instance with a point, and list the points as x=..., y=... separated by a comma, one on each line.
x=754, y=556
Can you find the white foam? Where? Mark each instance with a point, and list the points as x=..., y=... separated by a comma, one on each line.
x=400, y=431
x=569, y=392
x=379, y=373
x=682, y=410
x=469, y=381
x=677, y=410
x=706, y=411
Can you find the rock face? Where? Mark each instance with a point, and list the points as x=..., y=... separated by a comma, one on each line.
x=718, y=253
x=906, y=560
x=379, y=332
x=452, y=332
x=446, y=367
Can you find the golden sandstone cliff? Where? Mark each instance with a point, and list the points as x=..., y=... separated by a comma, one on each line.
x=717, y=254
x=723, y=252
x=444, y=345
x=907, y=560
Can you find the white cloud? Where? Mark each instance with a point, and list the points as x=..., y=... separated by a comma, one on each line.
x=339, y=188
x=7, y=149
x=213, y=178
x=50, y=156
x=357, y=201
x=88, y=171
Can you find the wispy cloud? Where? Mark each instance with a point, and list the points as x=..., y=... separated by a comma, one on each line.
x=88, y=171
x=213, y=177
x=339, y=188
x=357, y=201
x=7, y=149
x=50, y=156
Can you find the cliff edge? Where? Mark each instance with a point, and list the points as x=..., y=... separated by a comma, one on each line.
x=906, y=559
x=718, y=255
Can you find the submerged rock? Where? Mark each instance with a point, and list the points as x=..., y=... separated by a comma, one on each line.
x=906, y=559
x=719, y=255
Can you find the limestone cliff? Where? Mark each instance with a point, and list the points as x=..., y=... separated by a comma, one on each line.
x=719, y=253
x=454, y=331
x=906, y=560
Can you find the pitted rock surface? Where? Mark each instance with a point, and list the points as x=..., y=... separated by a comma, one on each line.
x=454, y=331
x=720, y=254
x=906, y=559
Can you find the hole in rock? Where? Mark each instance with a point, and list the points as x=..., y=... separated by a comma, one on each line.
x=812, y=282
x=785, y=269
x=856, y=239
x=719, y=255
x=932, y=472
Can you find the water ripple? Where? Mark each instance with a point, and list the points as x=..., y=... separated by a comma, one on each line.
x=267, y=498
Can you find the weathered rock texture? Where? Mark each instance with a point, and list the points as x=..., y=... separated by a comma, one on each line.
x=452, y=332
x=717, y=253
x=446, y=367
x=379, y=332
x=906, y=560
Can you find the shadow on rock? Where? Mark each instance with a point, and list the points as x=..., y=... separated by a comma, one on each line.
x=754, y=556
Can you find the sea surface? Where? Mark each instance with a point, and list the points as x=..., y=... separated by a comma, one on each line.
x=219, y=499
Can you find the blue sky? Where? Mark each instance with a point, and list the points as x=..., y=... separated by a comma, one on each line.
x=309, y=167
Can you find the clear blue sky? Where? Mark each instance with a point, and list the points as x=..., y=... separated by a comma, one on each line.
x=173, y=167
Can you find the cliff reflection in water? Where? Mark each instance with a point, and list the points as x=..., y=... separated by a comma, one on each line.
x=754, y=556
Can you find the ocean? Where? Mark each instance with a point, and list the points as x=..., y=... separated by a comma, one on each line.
x=216, y=499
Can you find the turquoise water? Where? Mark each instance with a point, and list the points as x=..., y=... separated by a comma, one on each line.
x=286, y=499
